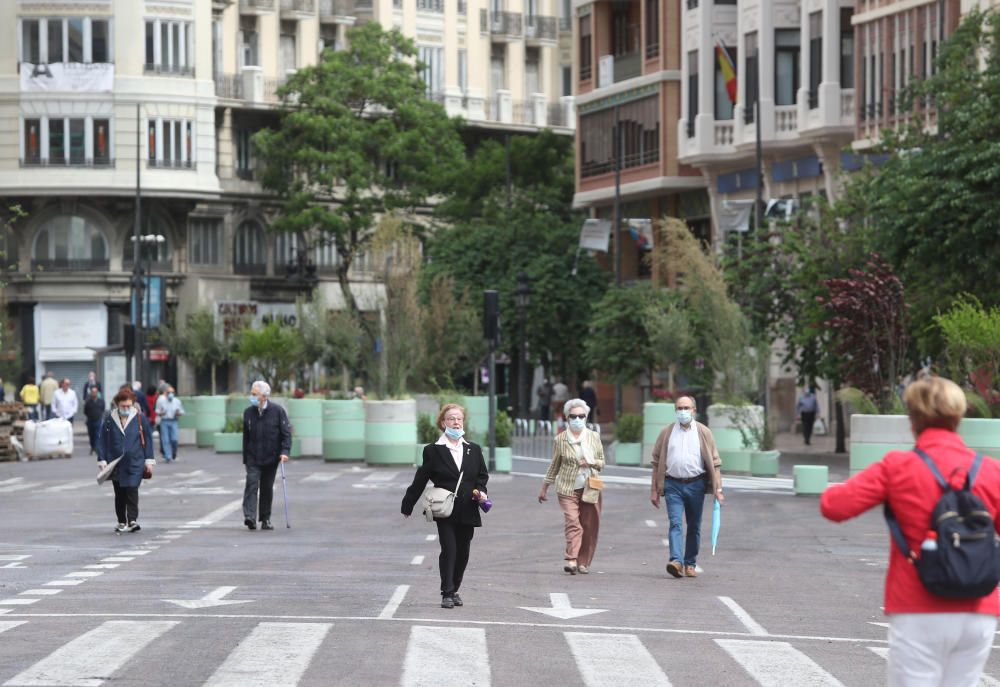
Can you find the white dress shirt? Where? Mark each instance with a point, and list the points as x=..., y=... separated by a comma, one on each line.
x=455, y=449
x=684, y=452
x=65, y=403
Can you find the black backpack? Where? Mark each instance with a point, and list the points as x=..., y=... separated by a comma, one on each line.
x=966, y=563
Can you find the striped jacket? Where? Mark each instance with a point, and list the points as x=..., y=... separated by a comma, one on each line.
x=563, y=469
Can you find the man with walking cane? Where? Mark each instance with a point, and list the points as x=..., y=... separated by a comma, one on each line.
x=267, y=441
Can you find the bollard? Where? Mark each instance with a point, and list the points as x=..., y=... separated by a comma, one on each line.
x=810, y=480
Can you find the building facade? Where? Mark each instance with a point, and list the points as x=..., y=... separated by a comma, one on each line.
x=100, y=96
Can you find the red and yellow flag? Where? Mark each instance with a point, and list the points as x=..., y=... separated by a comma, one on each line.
x=728, y=69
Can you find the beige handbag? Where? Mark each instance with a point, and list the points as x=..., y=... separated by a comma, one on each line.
x=439, y=503
x=592, y=488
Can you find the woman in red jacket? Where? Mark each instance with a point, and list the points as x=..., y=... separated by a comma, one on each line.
x=932, y=640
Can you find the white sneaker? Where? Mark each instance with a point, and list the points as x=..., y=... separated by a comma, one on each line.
x=121, y=527
x=133, y=527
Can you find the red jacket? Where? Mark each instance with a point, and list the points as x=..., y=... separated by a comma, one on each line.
x=902, y=479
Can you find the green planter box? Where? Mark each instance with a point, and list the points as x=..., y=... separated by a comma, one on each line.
x=235, y=405
x=764, y=463
x=225, y=442
x=210, y=412
x=810, y=480
x=627, y=454
x=737, y=460
x=655, y=416
x=477, y=422
x=390, y=432
x=504, y=459
x=187, y=420
x=306, y=417
x=343, y=430
x=418, y=456
x=296, y=447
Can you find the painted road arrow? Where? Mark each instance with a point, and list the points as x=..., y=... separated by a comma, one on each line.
x=562, y=609
x=213, y=598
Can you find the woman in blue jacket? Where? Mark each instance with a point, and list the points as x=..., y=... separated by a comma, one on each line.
x=126, y=434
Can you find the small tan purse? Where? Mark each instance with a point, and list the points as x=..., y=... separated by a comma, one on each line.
x=592, y=488
x=595, y=482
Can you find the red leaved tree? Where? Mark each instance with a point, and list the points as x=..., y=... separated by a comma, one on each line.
x=868, y=317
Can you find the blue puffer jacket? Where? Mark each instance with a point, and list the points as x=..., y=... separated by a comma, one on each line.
x=136, y=447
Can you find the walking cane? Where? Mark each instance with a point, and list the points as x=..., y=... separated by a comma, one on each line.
x=284, y=490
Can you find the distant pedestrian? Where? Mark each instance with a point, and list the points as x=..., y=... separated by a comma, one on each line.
x=48, y=389
x=589, y=397
x=807, y=409
x=92, y=383
x=140, y=400
x=30, y=396
x=577, y=455
x=560, y=394
x=168, y=409
x=686, y=467
x=125, y=433
x=267, y=441
x=64, y=402
x=359, y=393
x=933, y=640
x=93, y=410
x=455, y=464
x=544, y=392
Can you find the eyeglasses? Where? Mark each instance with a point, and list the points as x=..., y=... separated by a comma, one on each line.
x=577, y=417
x=454, y=418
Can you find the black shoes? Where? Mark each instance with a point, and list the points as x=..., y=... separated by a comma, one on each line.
x=133, y=527
x=266, y=525
x=447, y=601
x=251, y=525
x=456, y=599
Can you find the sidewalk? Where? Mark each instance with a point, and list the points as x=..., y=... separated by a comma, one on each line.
x=819, y=452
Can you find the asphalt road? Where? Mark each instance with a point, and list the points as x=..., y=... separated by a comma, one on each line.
x=348, y=595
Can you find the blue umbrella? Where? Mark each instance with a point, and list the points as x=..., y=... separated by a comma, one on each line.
x=716, y=524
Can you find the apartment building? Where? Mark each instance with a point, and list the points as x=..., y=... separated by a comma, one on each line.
x=99, y=95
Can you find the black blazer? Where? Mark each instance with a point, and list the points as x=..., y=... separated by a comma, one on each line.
x=266, y=435
x=439, y=467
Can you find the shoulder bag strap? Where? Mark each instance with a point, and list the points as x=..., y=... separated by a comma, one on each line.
x=142, y=433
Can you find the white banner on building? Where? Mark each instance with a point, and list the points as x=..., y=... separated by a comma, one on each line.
x=734, y=215
x=595, y=235
x=231, y=316
x=67, y=77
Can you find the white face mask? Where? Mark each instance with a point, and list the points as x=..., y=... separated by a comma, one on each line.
x=684, y=417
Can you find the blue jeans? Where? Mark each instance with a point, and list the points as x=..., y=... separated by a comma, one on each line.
x=684, y=501
x=168, y=438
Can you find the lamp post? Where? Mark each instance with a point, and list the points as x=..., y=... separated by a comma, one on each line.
x=522, y=299
x=140, y=284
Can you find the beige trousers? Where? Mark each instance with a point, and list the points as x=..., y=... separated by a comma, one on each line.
x=583, y=521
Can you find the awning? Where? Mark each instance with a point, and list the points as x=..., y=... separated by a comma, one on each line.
x=65, y=354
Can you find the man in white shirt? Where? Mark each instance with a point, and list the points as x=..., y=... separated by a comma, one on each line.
x=686, y=467
x=64, y=402
x=168, y=410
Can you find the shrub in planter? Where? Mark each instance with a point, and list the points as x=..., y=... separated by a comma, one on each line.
x=628, y=449
x=504, y=435
x=427, y=431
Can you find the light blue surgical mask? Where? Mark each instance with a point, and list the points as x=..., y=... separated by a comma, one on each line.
x=576, y=424
x=170, y=397
x=255, y=401
x=454, y=434
x=124, y=412
x=684, y=417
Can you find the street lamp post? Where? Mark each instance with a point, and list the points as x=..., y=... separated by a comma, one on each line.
x=140, y=284
x=522, y=299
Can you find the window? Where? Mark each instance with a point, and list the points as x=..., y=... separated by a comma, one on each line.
x=567, y=80
x=432, y=59
x=652, y=28
x=248, y=249
x=99, y=41
x=287, y=40
x=69, y=242
x=74, y=39
x=786, y=66
x=30, y=48
x=327, y=258
x=286, y=251
x=55, y=41
x=102, y=141
x=531, y=79
x=723, y=103
x=498, y=68
x=847, y=48
x=248, y=42
x=74, y=32
x=171, y=143
x=692, y=99
x=463, y=70
x=205, y=241
x=244, y=154
x=640, y=137
x=77, y=141
x=623, y=31
x=169, y=47
x=328, y=37
x=57, y=142
x=32, y=141
x=586, y=56
x=750, y=82
x=815, y=57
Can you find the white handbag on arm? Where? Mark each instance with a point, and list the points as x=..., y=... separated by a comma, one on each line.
x=439, y=503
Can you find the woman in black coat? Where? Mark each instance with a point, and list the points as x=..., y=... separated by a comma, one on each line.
x=443, y=463
x=126, y=434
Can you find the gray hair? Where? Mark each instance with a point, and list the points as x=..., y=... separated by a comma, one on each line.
x=575, y=403
x=263, y=387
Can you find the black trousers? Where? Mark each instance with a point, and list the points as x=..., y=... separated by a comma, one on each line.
x=808, y=420
x=455, y=540
x=126, y=503
x=260, y=478
x=93, y=427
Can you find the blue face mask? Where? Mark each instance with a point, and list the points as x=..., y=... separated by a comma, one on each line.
x=255, y=401
x=124, y=412
x=576, y=424
x=684, y=417
x=170, y=397
x=454, y=434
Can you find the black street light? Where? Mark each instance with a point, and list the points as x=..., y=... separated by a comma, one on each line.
x=522, y=299
x=140, y=286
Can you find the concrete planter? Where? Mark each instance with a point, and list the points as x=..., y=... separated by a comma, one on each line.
x=655, y=416
x=225, y=442
x=186, y=430
x=764, y=463
x=418, y=456
x=477, y=419
x=306, y=416
x=627, y=454
x=210, y=417
x=235, y=405
x=736, y=461
x=390, y=432
x=872, y=436
x=343, y=430
x=504, y=459
x=810, y=480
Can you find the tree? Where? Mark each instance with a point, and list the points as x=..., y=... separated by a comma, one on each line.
x=332, y=339
x=932, y=204
x=971, y=335
x=357, y=139
x=272, y=353
x=197, y=342
x=452, y=331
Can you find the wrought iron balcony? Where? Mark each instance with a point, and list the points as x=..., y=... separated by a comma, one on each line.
x=257, y=5
x=540, y=28
x=501, y=24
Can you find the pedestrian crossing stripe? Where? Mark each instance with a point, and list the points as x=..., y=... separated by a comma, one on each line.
x=272, y=654
x=614, y=660
x=446, y=656
x=777, y=664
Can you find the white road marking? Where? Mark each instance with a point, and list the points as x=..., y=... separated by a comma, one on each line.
x=10, y=624
x=984, y=680
x=4, y=610
x=134, y=552
x=614, y=660
x=117, y=559
x=777, y=664
x=562, y=609
x=102, y=566
x=273, y=654
x=749, y=623
x=651, y=523
x=170, y=537
x=321, y=477
x=12, y=480
x=220, y=513
x=14, y=557
x=19, y=486
x=431, y=537
x=417, y=560
x=446, y=656
x=69, y=486
x=93, y=657
x=666, y=542
x=213, y=598
x=394, y=601
x=41, y=592
x=64, y=583
x=380, y=477
x=18, y=602
x=177, y=532
x=85, y=573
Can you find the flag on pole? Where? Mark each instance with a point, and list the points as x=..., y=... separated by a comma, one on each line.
x=728, y=69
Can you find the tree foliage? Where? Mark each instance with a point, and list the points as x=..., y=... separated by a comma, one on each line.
x=197, y=342
x=357, y=139
x=272, y=353
x=971, y=335
x=329, y=338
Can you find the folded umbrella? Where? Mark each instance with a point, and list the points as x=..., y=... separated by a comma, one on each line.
x=716, y=524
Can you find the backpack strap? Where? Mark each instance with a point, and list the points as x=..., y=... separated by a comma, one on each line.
x=897, y=533
x=942, y=482
x=973, y=471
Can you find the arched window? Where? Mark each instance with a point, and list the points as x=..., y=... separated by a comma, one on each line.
x=69, y=242
x=249, y=251
x=286, y=249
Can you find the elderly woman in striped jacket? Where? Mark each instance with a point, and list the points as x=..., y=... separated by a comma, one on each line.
x=577, y=459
